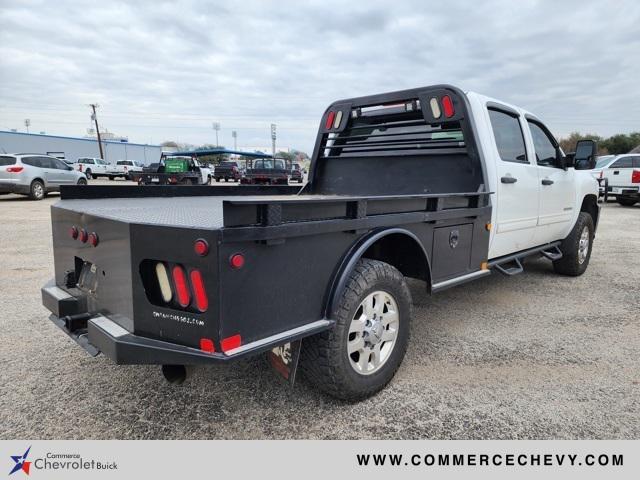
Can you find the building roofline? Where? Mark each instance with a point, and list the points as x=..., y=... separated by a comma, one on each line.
x=79, y=138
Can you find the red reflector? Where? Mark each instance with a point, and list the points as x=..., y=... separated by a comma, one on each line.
x=83, y=235
x=447, y=106
x=635, y=176
x=182, y=290
x=206, y=345
x=80, y=167
x=329, y=122
x=199, y=292
x=15, y=169
x=93, y=239
x=73, y=231
x=237, y=260
x=230, y=343
x=201, y=247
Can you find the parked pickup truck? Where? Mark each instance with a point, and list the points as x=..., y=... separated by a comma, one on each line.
x=267, y=171
x=92, y=167
x=125, y=169
x=431, y=183
x=226, y=171
x=620, y=178
x=179, y=168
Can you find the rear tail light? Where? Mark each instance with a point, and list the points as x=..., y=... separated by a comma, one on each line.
x=330, y=118
x=80, y=167
x=73, y=231
x=201, y=247
x=199, y=292
x=83, y=235
x=635, y=176
x=236, y=261
x=601, y=174
x=206, y=345
x=447, y=106
x=15, y=169
x=163, y=281
x=93, y=239
x=230, y=343
x=182, y=289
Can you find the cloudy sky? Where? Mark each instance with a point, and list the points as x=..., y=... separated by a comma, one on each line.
x=167, y=70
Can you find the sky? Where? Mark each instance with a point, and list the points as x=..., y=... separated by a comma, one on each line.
x=166, y=70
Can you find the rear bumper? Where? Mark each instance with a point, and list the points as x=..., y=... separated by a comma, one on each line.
x=99, y=334
x=9, y=187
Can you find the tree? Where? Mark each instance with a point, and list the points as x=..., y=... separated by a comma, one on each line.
x=569, y=144
x=622, y=143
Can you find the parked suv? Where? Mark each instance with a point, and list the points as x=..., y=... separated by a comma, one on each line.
x=36, y=175
x=93, y=167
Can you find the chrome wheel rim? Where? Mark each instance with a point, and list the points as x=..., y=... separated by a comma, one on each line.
x=38, y=190
x=373, y=332
x=583, y=245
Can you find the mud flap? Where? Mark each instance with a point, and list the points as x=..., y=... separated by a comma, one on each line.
x=284, y=360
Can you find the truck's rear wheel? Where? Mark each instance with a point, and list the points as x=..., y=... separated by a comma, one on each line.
x=626, y=202
x=362, y=353
x=576, y=248
x=87, y=174
x=36, y=191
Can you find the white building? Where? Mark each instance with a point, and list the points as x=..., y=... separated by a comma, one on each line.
x=72, y=148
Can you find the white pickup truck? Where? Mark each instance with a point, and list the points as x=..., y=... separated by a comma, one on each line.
x=125, y=169
x=620, y=176
x=432, y=183
x=92, y=167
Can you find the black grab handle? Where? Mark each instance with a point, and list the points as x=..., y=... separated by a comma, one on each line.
x=546, y=181
x=508, y=179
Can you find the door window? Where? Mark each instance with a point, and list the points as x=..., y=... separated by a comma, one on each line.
x=59, y=164
x=32, y=161
x=624, y=162
x=508, y=135
x=544, y=146
x=636, y=162
x=47, y=162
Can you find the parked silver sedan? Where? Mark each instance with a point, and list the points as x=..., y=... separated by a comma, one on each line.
x=36, y=175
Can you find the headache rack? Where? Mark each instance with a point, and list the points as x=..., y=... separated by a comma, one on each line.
x=418, y=141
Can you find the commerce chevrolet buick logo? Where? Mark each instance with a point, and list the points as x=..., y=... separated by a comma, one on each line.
x=21, y=463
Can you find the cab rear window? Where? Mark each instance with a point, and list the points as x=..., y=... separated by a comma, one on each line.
x=4, y=161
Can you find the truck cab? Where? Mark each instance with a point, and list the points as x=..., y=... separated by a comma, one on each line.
x=537, y=194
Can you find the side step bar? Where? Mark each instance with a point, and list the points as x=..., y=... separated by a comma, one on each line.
x=550, y=251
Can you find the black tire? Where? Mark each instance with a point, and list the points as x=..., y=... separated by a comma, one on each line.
x=37, y=190
x=626, y=202
x=87, y=174
x=217, y=179
x=82, y=181
x=111, y=177
x=325, y=360
x=572, y=263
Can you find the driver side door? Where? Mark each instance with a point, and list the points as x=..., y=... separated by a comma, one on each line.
x=557, y=186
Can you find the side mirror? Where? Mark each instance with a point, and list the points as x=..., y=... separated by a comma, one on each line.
x=586, y=154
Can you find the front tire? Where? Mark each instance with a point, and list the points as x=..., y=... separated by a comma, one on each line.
x=362, y=352
x=576, y=248
x=82, y=181
x=626, y=202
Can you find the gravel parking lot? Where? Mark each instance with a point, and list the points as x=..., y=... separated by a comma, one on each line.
x=533, y=356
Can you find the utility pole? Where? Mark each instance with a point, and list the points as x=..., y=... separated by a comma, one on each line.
x=234, y=134
x=273, y=139
x=216, y=127
x=27, y=122
x=94, y=117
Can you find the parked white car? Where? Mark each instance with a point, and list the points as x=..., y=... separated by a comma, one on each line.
x=92, y=167
x=124, y=169
x=620, y=176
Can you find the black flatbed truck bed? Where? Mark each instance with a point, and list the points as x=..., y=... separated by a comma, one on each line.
x=430, y=223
